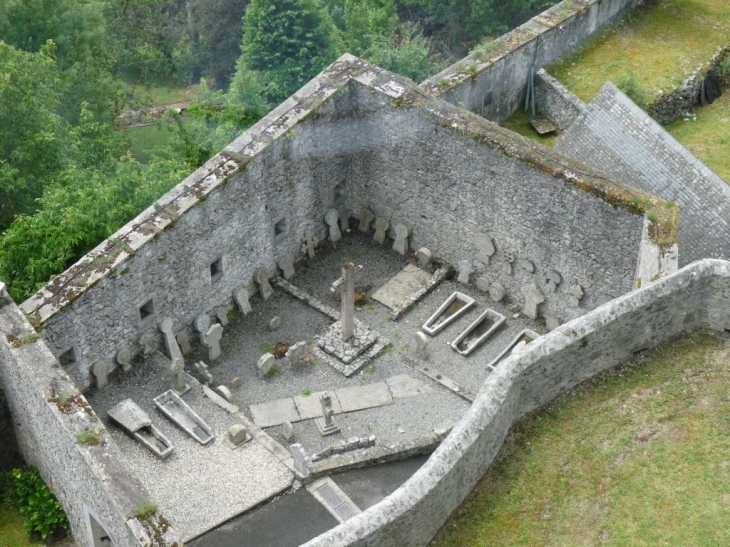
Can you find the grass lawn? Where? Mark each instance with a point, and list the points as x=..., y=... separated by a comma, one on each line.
x=639, y=457
x=658, y=45
x=12, y=533
x=519, y=122
x=155, y=95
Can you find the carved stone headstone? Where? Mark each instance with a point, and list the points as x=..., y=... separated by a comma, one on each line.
x=265, y=362
x=366, y=217
x=576, y=294
x=295, y=352
x=483, y=283
x=326, y=424
x=497, y=292
x=509, y=258
x=236, y=382
x=224, y=392
x=101, y=374
x=552, y=280
x=286, y=264
x=238, y=434
x=552, y=322
x=310, y=243
x=344, y=214
x=145, y=340
x=202, y=370
x=173, y=350
x=484, y=246
x=241, y=298
x=275, y=323
x=381, y=228
x=533, y=299
x=422, y=341
x=603, y=299
x=201, y=325
x=222, y=315
x=527, y=265
x=402, y=233
x=299, y=460
x=184, y=340
x=287, y=431
x=124, y=358
x=465, y=269
x=331, y=218
x=179, y=385
x=212, y=340
x=425, y=257
x=262, y=278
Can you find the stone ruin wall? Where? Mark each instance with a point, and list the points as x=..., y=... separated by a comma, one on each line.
x=556, y=102
x=86, y=479
x=696, y=297
x=293, y=179
x=495, y=86
x=450, y=188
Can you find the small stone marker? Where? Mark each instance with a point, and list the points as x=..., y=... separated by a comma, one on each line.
x=241, y=298
x=286, y=264
x=222, y=315
x=552, y=280
x=326, y=424
x=422, y=341
x=484, y=246
x=179, y=385
x=145, y=341
x=402, y=233
x=238, y=434
x=184, y=340
x=265, y=362
x=509, y=258
x=533, y=299
x=101, y=374
x=201, y=325
x=425, y=257
x=465, y=269
x=527, y=265
x=344, y=214
x=212, y=340
x=576, y=294
x=482, y=284
x=381, y=228
x=310, y=243
x=224, y=392
x=124, y=358
x=330, y=218
x=497, y=292
x=295, y=352
x=262, y=278
x=287, y=430
x=552, y=322
x=275, y=323
x=300, y=460
x=236, y=382
x=366, y=217
x=202, y=369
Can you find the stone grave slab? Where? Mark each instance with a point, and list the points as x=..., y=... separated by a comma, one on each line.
x=409, y=280
x=361, y=397
x=273, y=413
x=403, y=386
x=310, y=407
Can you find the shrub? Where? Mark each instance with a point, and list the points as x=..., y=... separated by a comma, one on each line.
x=628, y=84
x=38, y=507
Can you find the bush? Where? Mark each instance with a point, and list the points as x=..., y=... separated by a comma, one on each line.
x=38, y=507
x=628, y=84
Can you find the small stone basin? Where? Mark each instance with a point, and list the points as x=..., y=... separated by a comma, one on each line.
x=477, y=333
x=454, y=307
x=515, y=346
x=179, y=413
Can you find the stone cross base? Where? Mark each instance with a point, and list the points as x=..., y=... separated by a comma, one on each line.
x=326, y=429
x=331, y=342
x=183, y=391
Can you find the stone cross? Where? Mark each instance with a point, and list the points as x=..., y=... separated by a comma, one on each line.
x=101, y=374
x=509, y=258
x=465, y=270
x=533, y=299
x=173, y=350
x=299, y=460
x=402, y=231
x=145, y=341
x=202, y=369
x=178, y=378
x=124, y=358
x=422, y=342
x=366, y=217
x=344, y=215
x=310, y=243
x=241, y=298
x=381, y=227
x=326, y=424
x=330, y=218
x=212, y=339
x=347, y=300
x=262, y=278
x=184, y=341
x=287, y=266
x=576, y=294
x=552, y=279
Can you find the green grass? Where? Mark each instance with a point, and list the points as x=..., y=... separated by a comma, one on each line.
x=660, y=46
x=637, y=458
x=12, y=533
x=519, y=122
x=156, y=95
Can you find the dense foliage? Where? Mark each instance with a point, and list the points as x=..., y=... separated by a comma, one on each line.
x=40, y=510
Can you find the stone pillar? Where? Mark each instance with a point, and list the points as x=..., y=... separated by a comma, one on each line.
x=347, y=294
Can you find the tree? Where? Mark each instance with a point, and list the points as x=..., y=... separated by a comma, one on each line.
x=286, y=43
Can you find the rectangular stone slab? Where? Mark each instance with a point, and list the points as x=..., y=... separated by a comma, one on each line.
x=309, y=407
x=362, y=397
x=273, y=413
x=403, y=386
x=409, y=280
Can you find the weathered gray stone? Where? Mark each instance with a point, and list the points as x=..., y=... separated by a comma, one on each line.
x=361, y=397
x=326, y=424
x=344, y=214
x=465, y=269
x=604, y=299
x=296, y=351
x=552, y=280
x=331, y=218
x=286, y=264
x=202, y=370
x=184, y=341
x=310, y=243
x=262, y=278
x=238, y=434
x=236, y=382
x=422, y=341
x=402, y=233
x=497, y=292
x=180, y=413
x=287, y=431
x=484, y=246
x=145, y=341
x=552, y=322
x=526, y=265
x=100, y=370
x=407, y=283
x=300, y=460
x=275, y=323
x=425, y=257
x=178, y=376
x=224, y=392
x=265, y=362
x=310, y=406
x=404, y=386
x=381, y=229
x=202, y=323
x=241, y=298
x=212, y=340
x=173, y=350
x=347, y=300
x=366, y=218
x=272, y=413
x=482, y=283
x=533, y=299
x=222, y=315
x=576, y=294
x=508, y=260
x=124, y=358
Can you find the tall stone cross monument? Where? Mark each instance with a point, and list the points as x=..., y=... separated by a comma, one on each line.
x=347, y=293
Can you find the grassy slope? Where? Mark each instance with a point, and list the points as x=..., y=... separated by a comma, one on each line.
x=12, y=533
x=639, y=458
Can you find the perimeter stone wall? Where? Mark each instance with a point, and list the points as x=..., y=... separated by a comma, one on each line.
x=555, y=101
x=493, y=83
x=83, y=477
x=696, y=297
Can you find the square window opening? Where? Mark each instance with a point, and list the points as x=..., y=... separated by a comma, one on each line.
x=146, y=310
x=67, y=358
x=216, y=270
x=280, y=228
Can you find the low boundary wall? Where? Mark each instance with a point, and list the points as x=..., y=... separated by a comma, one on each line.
x=697, y=296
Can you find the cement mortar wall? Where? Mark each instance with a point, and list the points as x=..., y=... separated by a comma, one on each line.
x=83, y=477
x=623, y=141
x=450, y=188
x=697, y=296
x=556, y=102
x=496, y=85
x=293, y=178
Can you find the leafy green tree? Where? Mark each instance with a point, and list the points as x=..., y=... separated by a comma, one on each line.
x=286, y=43
x=405, y=51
